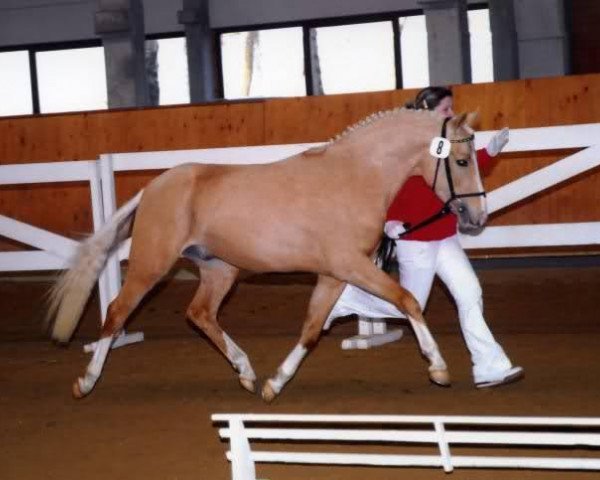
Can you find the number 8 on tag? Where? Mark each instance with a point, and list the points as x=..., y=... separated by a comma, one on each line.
x=439, y=147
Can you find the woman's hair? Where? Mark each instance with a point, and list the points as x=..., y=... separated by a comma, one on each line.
x=429, y=98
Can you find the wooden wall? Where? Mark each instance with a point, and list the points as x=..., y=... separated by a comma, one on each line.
x=82, y=136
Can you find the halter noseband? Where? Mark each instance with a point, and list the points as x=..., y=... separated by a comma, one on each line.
x=445, y=210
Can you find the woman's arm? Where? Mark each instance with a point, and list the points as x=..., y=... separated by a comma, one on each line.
x=486, y=156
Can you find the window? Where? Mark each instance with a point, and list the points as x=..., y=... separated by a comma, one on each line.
x=356, y=58
x=71, y=80
x=166, y=61
x=15, y=84
x=263, y=63
x=482, y=64
x=414, y=51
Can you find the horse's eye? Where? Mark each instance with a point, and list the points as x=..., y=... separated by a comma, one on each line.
x=462, y=162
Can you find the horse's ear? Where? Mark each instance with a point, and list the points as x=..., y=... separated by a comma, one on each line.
x=457, y=120
x=473, y=119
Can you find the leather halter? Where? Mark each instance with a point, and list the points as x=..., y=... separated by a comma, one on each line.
x=445, y=210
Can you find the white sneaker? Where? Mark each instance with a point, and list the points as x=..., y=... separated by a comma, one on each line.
x=511, y=375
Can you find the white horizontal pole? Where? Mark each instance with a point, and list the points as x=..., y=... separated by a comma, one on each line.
x=523, y=139
x=30, y=261
x=220, y=156
x=509, y=236
x=367, y=459
x=542, y=235
x=420, y=436
x=542, y=463
x=447, y=419
x=49, y=172
x=545, y=138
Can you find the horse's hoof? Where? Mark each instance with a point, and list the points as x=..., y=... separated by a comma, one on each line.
x=268, y=394
x=440, y=377
x=248, y=384
x=77, y=393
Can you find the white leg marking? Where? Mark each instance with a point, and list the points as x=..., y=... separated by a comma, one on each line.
x=95, y=366
x=288, y=368
x=239, y=359
x=428, y=346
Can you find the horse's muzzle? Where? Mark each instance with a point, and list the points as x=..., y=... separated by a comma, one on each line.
x=470, y=229
x=469, y=222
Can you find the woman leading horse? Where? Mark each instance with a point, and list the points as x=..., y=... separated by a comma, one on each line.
x=427, y=244
x=290, y=215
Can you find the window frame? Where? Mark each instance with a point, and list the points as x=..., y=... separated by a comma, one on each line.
x=32, y=49
x=305, y=25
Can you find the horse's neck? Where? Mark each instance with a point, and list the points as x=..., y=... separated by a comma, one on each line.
x=392, y=147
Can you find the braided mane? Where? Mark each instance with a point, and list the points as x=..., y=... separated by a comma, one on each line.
x=365, y=122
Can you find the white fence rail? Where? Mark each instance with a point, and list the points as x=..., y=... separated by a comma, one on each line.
x=439, y=431
x=54, y=250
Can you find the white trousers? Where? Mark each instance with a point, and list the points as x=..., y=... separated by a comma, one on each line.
x=419, y=262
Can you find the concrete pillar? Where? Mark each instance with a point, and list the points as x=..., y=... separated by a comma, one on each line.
x=542, y=38
x=200, y=44
x=448, y=41
x=120, y=23
x=504, y=40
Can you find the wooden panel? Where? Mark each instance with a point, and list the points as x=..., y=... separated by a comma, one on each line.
x=533, y=103
x=81, y=136
x=66, y=208
x=316, y=119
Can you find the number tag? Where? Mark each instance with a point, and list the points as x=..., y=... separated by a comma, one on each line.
x=440, y=147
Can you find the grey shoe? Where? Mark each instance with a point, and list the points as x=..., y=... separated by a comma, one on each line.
x=511, y=375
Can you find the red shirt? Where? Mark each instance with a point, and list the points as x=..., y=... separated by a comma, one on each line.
x=416, y=201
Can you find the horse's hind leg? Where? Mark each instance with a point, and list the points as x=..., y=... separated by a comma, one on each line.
x=144, y=271
x=323, y=298
x=216, y=279
x=364, y=274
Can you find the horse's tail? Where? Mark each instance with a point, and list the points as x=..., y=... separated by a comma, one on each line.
x=68, y=296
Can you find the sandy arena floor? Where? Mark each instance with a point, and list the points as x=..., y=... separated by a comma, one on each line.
x=149, y=416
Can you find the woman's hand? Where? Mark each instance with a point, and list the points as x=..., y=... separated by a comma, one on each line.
x=393, y=229
x=498, y=142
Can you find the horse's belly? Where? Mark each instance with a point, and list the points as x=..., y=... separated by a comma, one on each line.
x=263, y=252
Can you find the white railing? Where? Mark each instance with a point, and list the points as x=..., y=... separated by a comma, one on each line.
x=585, y=136
x=439, y=431
x=54, y=250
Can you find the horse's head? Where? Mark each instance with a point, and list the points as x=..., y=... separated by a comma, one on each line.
x=454, y=174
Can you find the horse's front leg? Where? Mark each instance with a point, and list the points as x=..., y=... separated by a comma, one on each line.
x=322, y=300
x=364, y=274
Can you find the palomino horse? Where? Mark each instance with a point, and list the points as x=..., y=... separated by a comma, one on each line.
x=320, y=211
